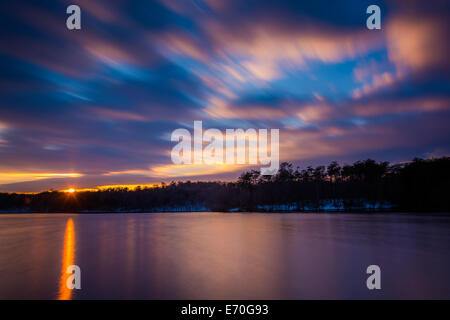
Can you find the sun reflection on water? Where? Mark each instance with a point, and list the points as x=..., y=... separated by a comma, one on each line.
x=67, y=259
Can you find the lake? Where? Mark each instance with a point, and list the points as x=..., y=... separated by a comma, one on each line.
x=224, y=255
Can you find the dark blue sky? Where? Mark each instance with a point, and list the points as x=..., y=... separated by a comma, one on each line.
x=97, y=106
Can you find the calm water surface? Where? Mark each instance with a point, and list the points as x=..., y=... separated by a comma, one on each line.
x=224, y=256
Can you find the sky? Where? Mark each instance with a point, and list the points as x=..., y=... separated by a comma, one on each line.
x=97, y=106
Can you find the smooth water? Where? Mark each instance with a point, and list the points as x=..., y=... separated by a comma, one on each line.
x=224, y=256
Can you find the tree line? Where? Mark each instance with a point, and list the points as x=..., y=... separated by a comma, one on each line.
x=418, y=185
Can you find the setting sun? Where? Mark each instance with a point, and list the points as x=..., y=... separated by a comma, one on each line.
x=71, y=190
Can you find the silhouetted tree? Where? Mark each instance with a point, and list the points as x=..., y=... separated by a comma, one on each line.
x=419, y=185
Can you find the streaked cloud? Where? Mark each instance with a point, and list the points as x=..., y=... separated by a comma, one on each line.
x=103, y=101
x=11, y=177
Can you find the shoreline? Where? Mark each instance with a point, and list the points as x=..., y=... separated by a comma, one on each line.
x=396, y=212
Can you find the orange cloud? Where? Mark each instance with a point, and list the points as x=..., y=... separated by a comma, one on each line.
x=379, y=81
x=116, y=114
x=314, y=113
x=417, y=42
x=264, y=51
x=217, y=85
x=182, y=43
x=3, y=128
x=376, y=108
x=264, y=70
x=186, y=170
x=101, y=10
x=107, y=51
x=219, y=108
x=12, y=177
